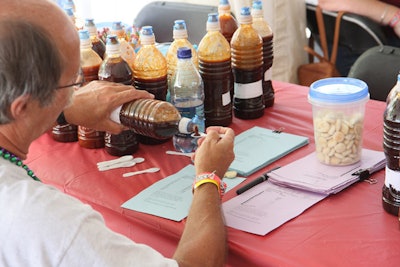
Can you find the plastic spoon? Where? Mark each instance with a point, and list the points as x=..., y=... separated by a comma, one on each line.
x=114, y=161
x=128, y=174
x=123, y=164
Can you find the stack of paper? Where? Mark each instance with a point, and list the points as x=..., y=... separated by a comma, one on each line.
x=259, y=147
x=311, y=175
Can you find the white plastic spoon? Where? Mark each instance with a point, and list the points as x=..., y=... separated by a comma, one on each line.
x=170, y=152
x=114, y=161
x=123, y=164
x=128, y=174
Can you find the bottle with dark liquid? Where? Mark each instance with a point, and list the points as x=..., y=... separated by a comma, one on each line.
x=97, y=44
x=214, y=54
x=227, y=22
x=247, y=67
x=90, y=64
x=150, y=71
x=115, y=69
x=391, y=147
x=153, y=118
x=264, y=30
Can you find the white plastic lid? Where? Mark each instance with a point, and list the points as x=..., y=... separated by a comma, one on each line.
x=338, y=91
x=245, y=16
x=213, y=22
x=183, y=125
x=115, y=115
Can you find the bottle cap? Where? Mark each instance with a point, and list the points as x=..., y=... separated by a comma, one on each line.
x=112, y=45
x=84, y=38
x=90, y=26
x=224, y=6
x=213, y=22
x=184, y=125
x=256, y=10
x=179, y=29
x=147, y=35
x=184, y=52
x=115, y=114
x=245, y=16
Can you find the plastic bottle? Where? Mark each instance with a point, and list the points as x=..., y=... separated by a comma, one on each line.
x=150, y=72
x=187, y=95
x=153, y=118
x=227, y=22
x=180, y=36
x=90, y=64
x=391, y=148
x=97, y=44
x=127, y=51
x=115, y=69
x=215, y=69
x=150, y=67
x=247, y=68
x=264, y=30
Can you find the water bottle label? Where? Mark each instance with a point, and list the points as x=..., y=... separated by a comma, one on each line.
x=268, y=75
x=248, y=90
x=226, y=98
x=195, y=113
x=392, y=178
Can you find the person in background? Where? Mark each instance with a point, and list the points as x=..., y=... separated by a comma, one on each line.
x=386, y=13
x=41, y=226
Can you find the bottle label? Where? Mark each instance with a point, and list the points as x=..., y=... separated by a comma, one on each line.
x=392, y=178
x=248, y=90
x=226, y=98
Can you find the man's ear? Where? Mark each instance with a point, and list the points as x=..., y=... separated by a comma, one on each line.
x=19, y=106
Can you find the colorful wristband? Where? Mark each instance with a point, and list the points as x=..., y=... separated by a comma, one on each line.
x=395, y=19
x=210, y=178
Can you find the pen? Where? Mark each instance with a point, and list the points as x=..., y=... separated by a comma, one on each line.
x=255, y=182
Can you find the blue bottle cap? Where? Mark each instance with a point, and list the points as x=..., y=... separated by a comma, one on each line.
x=212, y=17
x=117, y=25
x=179, y=24
x=84, y=34
x=184, y=52
x=223, y=2
x=257, y=5
x=245, y=11
x=147, y=30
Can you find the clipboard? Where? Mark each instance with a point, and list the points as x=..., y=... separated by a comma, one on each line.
x=258, y=147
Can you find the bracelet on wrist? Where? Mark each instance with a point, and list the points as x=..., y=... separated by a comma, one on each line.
x=208, y=177
x=395, y=19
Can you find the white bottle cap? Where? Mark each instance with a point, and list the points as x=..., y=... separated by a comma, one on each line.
x=183, y=125
x=115, y=115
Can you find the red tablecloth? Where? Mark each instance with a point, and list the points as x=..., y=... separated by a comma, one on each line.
x=347, y=229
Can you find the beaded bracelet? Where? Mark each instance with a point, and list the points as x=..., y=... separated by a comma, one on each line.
x=395, y=19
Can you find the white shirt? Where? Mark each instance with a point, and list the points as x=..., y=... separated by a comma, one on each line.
x=41, y=226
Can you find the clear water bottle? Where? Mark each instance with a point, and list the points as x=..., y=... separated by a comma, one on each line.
x=391, y=148
x=187, y=95
x=263, y=28
x=180, y=36
x=215, y=69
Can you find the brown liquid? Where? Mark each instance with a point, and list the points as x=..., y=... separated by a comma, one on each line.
x=158, y=87
x=251, y=108
x=121, y=144
x=65, y=133
x=150, y=117
x=218, y=81
x=391, y=147
x=228, y=26
x=99, y=47
x=124, y=143
x=89, y=138
x=268, y=57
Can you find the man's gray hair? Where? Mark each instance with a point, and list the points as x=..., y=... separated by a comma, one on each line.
x=30, y=64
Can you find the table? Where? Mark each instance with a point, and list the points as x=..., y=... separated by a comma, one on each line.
x=347, y=229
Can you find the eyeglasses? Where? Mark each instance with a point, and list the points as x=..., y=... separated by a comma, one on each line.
x=80, y=80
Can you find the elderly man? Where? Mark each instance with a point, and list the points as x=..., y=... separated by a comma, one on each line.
x=40, y=226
